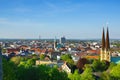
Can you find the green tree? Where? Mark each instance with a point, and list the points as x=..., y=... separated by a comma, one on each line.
x=16, y=60
x=22, y=63
x=104, y=65
x=100, y=65
x=47, y=73
x=105, y=76
x=9, y=70
x=87, y=74
x=96, y=65
x=70, y=61
x=115, y=72
x=31, y=62
x=112, y=64
x=56, y=75
x=75, y=76
x=4, y=50
x=24, y=59
x=34, y=56
x=27, y=73
x=65, y=57
x=42, y=56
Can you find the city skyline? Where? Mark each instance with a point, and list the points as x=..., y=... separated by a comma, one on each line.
x=74, y=19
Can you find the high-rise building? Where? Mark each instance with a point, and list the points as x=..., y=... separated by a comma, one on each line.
x=63, y=40
x=105, y=50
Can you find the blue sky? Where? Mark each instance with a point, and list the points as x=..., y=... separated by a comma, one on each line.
x=76, y=19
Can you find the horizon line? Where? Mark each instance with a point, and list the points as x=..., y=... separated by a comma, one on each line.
x=59, y=38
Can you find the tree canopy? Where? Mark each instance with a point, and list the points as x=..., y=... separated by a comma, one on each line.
x=100, y=65
x=26, y=71
x=115, y=72
x=67, y=58
x=87, y=74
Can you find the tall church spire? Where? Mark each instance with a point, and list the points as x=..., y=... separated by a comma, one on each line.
x=107, y=40
x=105, y=51
x=103, y=40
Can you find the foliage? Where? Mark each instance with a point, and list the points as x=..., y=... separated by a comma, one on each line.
x=25, y=71
x=112, y=65
x=100, y=65
x=24, y=59
x=115, y=72
x=96, y=65
x=31, y=62
x=34, y=56
x=117, y=44
x=47, y=73
x=90, y=61
x=4, y=50
x=65, y=57
x=55, y=66
x=75, y=76
x=105, y=65
x=8, y=70
x=87, y=74
x=70, y=61
x=56, y=75
x=21, y=68
x=22, y=63
x=105, y=76
x=42, y=56
x=16, y=60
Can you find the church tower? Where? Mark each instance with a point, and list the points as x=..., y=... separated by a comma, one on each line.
x=105, y=50
x=55, y=44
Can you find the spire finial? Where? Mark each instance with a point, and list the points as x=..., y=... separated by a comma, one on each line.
x=103, y=39
x=107, y=40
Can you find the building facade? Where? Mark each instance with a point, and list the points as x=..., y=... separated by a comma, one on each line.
x=63, y=40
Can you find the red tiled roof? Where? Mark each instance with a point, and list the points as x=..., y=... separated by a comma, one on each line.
x=92, y=57
x=13, y=50
x=91, y=51
x=36, y=49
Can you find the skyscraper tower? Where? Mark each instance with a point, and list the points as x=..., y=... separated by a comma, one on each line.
x=105, y=51
x=63, y=40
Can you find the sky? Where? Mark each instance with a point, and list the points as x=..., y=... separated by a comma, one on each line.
x=74, y=19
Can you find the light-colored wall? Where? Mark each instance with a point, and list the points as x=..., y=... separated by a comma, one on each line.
x=38, y=62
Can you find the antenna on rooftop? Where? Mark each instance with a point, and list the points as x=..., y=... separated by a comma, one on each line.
x=39, y=37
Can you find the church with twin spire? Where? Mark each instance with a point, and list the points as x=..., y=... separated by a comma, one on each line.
x=105, y=50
